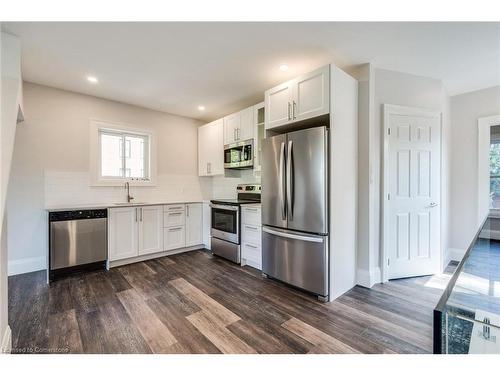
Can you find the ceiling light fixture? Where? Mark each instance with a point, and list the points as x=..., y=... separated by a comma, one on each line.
x=283, y=67
x=201, y=108
x=92, y=79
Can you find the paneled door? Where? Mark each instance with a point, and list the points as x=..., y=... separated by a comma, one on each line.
x=412, y=214
x=311, y=96
x=150, y=229
x=279, y=105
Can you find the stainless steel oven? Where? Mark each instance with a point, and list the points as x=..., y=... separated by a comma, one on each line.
x=225, y=229
x=226, y=222
x=239, y=155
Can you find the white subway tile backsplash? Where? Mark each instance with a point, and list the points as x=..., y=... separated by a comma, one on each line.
x=67, y=188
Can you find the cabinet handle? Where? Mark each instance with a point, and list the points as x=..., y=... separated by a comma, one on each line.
x=251, y=227
x=136, y=214
x=175, y=229
x=141, y=213
x=294, y=107
x=289, y=107
x=252, y=246
x=251, y=209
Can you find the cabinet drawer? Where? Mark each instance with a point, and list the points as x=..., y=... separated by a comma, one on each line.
x=174, y=219
x=251, y=215
x=174, y=207
x=251, y=234
x=251, y=252
x=174, y=238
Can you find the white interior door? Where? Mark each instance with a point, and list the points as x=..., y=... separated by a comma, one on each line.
x=412, y=213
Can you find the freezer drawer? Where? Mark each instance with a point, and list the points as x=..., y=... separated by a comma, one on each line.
x=296, y=258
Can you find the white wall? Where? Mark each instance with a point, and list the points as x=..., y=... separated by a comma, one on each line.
x=465, y=111
x=51, y=164
x=378, y=87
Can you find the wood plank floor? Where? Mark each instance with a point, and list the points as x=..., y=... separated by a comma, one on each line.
x=197, y=303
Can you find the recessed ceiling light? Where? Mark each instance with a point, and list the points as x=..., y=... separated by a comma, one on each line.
x=283, y=67
x=92, y=79
x=201, y=108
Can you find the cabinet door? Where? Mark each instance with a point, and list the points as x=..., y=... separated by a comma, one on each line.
x=204, y=139
x=216, y=147
x=174, y=237
x=259, y=134
x=311, y=94
x=122, y=233
x=150, y=229
x=245, y=131
x=278, y=105
x=232, y=125
x=194, y=224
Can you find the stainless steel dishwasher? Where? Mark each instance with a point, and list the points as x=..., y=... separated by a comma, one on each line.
x=77, y=241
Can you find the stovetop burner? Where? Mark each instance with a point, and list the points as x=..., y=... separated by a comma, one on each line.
x=247, y=194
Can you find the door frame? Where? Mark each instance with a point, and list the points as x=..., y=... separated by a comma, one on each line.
x=392, y=109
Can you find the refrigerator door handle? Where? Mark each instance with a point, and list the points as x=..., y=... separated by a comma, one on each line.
x=282, y=180
x=292, y=236
x=289, y=180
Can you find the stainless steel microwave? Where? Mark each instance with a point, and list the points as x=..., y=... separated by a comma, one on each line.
x=239, y=155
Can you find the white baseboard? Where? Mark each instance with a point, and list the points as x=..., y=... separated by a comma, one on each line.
x=453, y=254
x=6, y=341
x=368, y=278
x=25, y=265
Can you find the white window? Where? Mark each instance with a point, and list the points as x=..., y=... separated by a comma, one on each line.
x=120, y=154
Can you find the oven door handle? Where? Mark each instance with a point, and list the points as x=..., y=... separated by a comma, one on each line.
x=222, y=207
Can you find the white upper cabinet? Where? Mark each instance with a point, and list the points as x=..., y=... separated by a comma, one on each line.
x=259, y=134
x=299, y=99
x=194, y=224
x=278, y=102
x=232, y=124
x=211, y=149
x=239, y=126
x=246, y=124
x=150, y=229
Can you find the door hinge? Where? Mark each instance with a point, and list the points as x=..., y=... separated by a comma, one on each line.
x=388, y=131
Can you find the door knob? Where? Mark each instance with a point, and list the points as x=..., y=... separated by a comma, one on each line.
x=433, y=204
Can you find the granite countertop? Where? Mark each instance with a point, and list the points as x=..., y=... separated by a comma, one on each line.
x=97, y=206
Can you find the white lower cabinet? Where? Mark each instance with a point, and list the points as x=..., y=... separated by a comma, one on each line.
x=142, y=230
x=122, y=233
x=251, y=236
x=150, y=229
x=194, y=224
x=174, y=237
x=174, y=233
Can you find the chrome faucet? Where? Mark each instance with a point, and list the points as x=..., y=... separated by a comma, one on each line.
x=129, y=197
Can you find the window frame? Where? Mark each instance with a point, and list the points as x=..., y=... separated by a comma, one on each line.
x=97, y=127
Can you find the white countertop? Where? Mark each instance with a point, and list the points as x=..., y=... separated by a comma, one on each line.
x=97, y=206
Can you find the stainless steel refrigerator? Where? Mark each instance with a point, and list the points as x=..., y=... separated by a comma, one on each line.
x=295, y=209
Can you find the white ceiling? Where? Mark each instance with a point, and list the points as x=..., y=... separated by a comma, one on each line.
x=174, y=67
